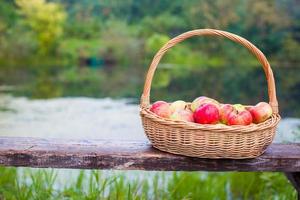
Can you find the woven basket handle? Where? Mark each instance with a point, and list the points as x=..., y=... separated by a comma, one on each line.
x=145, y=99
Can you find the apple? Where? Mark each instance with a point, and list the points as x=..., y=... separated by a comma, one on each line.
x=183, y=115
x=161, y=108
x=239, y=116
x=261, y=112
x=239, y=107
x=202, y=100
x=207, y=113
x=224, y=111
x=177, y=105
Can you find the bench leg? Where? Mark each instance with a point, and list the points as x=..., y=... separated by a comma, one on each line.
x=294, y=178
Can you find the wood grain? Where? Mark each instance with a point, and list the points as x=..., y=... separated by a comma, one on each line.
x=133, y=155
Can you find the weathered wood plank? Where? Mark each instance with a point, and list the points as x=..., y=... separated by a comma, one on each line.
x=133, y=155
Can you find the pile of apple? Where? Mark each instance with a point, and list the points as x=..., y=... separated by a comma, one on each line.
x=205, y=110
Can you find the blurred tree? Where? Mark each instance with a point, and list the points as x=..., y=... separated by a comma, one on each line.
x=211, y=14
x=164, y=23
x=45, y=19
x=83, y=20
x=265, y=24
x=155, y=42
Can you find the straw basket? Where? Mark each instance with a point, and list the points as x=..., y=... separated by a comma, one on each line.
x=206, y=140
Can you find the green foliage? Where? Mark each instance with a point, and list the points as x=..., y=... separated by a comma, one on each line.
x=73, y=48
x=89, y=80
x=42, y=184
x=290, y=52
x=120, y=44
x=259, y=186
x=7, y=16
x=155, y=42
x=31, y=184
x=166, y=22
x=45, y=19
x=45, y=87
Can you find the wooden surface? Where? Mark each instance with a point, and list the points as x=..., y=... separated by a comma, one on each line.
x=133, y=155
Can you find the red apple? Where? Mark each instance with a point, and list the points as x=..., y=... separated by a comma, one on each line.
x=161, y=108
x=239, y=116
x=261, y=112
x=183, y=115
x=207, y=114
x=202, y=100
x=224, y=111
x=177, y=105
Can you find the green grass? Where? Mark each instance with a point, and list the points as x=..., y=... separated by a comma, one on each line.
x=43, y=184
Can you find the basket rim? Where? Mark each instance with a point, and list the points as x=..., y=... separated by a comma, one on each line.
x=270, y=123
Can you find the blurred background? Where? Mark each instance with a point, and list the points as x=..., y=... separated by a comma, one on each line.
x=75, y=69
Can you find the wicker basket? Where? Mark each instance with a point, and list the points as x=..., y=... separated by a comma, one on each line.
x=209, y=141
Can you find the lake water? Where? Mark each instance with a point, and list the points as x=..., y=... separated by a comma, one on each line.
x=76, y=118
x=89, y=118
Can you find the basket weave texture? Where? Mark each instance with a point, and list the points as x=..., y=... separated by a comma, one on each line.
x=207, y=140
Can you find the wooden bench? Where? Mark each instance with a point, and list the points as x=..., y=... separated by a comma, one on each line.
x=138, y=155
